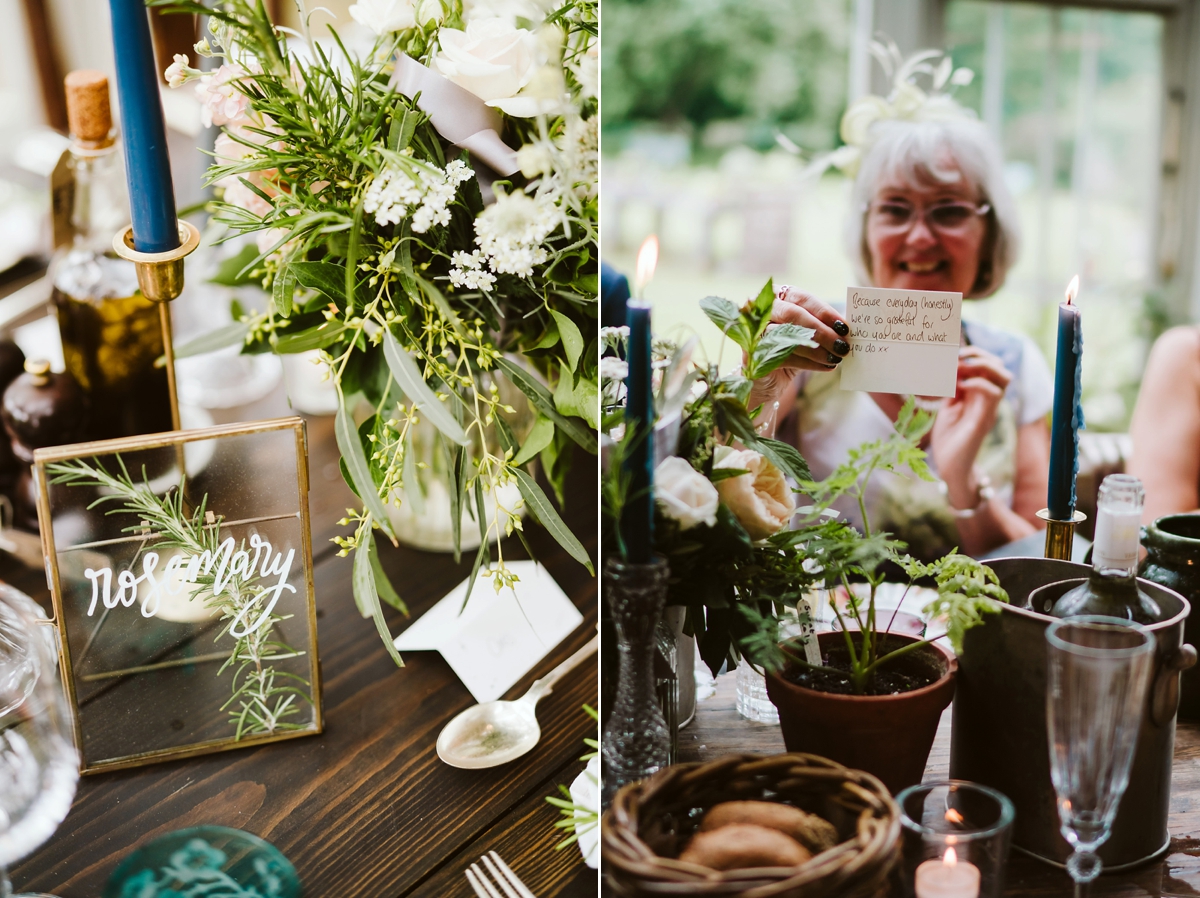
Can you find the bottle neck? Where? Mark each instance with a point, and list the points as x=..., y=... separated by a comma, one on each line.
x=1115, y=550
x=101, y=200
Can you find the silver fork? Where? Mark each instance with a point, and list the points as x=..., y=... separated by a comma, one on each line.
x=503, y=876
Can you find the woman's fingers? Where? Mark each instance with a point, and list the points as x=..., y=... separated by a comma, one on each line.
x=831, y=347
x=976, y=362
x=822, y=311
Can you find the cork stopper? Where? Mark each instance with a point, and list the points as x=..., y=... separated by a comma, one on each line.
x=88, y=112
x=38, y=368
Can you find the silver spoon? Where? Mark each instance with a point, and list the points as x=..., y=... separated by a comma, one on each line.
x=495, y=733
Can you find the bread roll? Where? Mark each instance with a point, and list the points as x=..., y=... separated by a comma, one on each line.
x=741, y=845
x=813, y=832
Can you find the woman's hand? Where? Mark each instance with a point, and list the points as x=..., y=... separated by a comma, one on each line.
x=793, y=306
x=964, y=422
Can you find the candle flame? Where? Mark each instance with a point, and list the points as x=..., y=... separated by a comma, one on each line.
x=647, y=261
x=950, y=858
x=1072, y=290
x=953, y=816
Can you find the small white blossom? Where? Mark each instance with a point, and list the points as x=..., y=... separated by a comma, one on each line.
x=613, y=368
x=467, y=271
x=178, y=71
x=422, y=193
x=512, y=231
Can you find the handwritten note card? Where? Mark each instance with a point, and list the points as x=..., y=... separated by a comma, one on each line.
x=902, y=341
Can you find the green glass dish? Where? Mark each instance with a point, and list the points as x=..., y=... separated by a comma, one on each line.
x=209, y=861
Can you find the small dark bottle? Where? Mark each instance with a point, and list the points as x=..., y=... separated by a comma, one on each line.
x=39, y=409
x=1111, y=589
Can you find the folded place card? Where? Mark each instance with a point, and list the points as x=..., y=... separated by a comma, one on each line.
x=500, y=636
x=902, y=341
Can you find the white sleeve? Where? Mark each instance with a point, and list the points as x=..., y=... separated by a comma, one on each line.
x=1035, y=385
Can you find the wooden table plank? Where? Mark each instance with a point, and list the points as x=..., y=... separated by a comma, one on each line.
x=525, y=838
x=365, y=809
x=718, y=729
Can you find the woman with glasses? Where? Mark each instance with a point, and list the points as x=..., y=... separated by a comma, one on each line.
x=932, y=213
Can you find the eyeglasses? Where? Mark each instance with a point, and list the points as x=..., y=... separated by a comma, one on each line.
x=948, y=218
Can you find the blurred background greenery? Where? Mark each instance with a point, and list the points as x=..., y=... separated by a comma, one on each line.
x=697, y=91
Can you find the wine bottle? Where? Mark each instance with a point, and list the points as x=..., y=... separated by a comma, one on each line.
x=111, y=334
x=1112, y=589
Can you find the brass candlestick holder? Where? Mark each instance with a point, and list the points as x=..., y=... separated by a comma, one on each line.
x=160, y=277
x=1060, y=535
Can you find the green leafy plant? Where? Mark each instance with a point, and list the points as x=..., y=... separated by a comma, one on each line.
x=376, y=247
x=263, y=698
x=966, y=588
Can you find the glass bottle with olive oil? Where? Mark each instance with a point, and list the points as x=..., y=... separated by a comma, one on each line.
x=111, y=334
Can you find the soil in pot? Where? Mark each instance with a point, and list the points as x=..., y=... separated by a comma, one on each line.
x=888, y=734
x=906, y=673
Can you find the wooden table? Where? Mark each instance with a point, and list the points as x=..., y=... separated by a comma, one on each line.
x=366, y=808
x=718, y=729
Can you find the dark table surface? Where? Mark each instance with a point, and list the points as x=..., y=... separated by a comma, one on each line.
x=718, y=729
x=366, y=808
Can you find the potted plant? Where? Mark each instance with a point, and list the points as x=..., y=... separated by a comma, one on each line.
x=863, y=696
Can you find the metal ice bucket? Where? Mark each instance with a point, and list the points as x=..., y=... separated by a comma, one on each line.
x=999, y=733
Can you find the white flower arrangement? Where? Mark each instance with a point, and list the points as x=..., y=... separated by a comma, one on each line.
x=425, y=285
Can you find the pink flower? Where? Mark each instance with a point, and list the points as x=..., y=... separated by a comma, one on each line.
x=221, y=102
x=238, y=194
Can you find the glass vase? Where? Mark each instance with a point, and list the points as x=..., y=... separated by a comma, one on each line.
x=636, y=739
x=423, y=517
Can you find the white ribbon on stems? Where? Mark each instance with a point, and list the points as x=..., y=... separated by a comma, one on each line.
x=457, y=114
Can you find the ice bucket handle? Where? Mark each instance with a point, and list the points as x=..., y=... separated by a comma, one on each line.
x=1164, y=698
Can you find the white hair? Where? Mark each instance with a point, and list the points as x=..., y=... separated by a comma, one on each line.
x=915, y=153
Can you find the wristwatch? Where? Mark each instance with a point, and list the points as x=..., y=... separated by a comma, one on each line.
x=984, y=495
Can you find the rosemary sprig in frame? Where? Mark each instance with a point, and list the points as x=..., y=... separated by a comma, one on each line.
x=262, y=697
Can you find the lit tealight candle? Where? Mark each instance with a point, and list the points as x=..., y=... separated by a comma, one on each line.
x=947, y=878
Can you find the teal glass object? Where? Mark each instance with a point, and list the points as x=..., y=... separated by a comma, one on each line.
x=209, y=861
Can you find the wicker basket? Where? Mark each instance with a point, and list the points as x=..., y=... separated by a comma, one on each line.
x=649, y=823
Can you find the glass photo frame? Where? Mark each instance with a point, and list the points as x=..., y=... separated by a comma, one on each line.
x=184, y=605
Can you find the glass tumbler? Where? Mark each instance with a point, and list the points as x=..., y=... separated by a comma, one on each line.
x=956, y=837
x=1098, y=676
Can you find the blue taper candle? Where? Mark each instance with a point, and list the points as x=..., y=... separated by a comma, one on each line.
x=637, y=518
x=1067, y=417
x=151, y=196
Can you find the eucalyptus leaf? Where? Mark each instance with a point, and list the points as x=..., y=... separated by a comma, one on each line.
x=283, y=290
x=317, y=337
x=543, y=401
x=539, y=438
x=537, y=502
x=230, y=335
x=367, y=598
x=572, y=340
x=383, y=585
x=408, y=376
x=351, y=448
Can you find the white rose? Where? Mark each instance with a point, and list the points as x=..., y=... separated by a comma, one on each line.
x=492, y=58
x=761, y=500
x=383, y=16
x=684, y=494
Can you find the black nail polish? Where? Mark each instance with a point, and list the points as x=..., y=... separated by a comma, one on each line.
x=841, y=347
x=840, y=328
x=832, y=359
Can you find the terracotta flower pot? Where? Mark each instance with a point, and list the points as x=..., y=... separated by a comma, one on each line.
x=887, y=735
